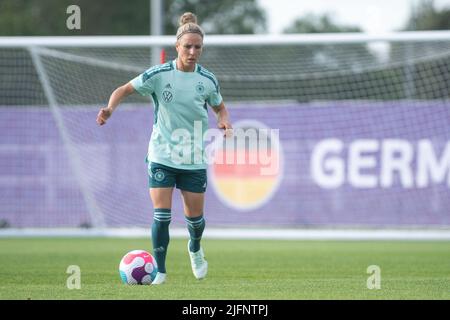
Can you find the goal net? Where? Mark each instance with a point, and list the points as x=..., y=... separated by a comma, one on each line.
x=357, y=126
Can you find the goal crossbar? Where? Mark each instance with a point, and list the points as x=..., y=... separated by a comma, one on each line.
x=226, y=40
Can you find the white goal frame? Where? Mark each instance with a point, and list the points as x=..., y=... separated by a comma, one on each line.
x=225, y=40
x=32, y=43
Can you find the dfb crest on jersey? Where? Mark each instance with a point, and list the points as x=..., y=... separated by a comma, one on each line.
x=200, y=88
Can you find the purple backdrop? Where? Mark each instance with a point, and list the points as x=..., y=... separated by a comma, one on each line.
x=40, y=186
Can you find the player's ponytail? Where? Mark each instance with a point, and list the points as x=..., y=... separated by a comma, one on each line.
x=188, y=24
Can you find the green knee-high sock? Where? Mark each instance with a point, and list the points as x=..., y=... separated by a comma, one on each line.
x=160, y=236
x=195, y=226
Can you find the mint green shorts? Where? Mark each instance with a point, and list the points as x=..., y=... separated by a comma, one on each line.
x=161, y=176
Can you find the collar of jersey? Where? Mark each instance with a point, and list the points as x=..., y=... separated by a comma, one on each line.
x=174, y=62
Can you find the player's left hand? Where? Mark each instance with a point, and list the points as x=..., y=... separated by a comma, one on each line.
x=226, y=126
x=103, y=115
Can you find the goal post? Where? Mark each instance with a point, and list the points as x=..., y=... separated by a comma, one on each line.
x=362, y=122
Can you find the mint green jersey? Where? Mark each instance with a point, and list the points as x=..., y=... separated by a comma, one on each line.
x=180, y=102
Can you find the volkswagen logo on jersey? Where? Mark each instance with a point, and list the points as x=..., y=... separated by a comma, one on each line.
x=167, y=96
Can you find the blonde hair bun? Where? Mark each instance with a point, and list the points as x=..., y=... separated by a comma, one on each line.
x=188, y=24
x=187, y=17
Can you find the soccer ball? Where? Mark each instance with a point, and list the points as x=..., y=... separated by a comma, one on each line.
x=138, y=267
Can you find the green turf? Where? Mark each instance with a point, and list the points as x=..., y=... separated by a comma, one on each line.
x=238, y=269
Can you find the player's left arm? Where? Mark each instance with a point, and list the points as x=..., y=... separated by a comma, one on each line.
x=223, y=120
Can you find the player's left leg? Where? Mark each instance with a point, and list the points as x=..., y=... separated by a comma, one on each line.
x=193, y=208
x=192, y=184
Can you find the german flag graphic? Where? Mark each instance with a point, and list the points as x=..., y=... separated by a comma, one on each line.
x=246, y=175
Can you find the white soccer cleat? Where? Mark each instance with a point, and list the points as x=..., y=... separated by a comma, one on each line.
x=160, y=278
x=198, y=263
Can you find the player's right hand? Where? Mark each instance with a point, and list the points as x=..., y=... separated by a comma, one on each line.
x=103, y=115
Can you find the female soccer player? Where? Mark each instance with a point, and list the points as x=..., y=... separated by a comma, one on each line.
x=181, y=90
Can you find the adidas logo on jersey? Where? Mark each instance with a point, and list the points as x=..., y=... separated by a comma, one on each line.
x=168, y=86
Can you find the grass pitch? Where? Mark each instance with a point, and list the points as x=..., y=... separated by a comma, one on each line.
x=35, y=268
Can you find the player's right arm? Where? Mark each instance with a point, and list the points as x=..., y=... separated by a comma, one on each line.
x=114, y=100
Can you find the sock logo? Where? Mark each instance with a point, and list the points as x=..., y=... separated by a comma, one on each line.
x=159, y=249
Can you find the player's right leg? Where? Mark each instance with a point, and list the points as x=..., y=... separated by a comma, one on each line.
x=161, y=198
x=161, y=184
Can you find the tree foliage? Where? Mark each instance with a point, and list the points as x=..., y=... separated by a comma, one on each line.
x=106, y=17
x=218, y=17
x=48, y=17
x=426, y=17
x=311, y=23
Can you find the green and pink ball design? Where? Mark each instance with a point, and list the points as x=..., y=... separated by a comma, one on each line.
x=138, y=267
